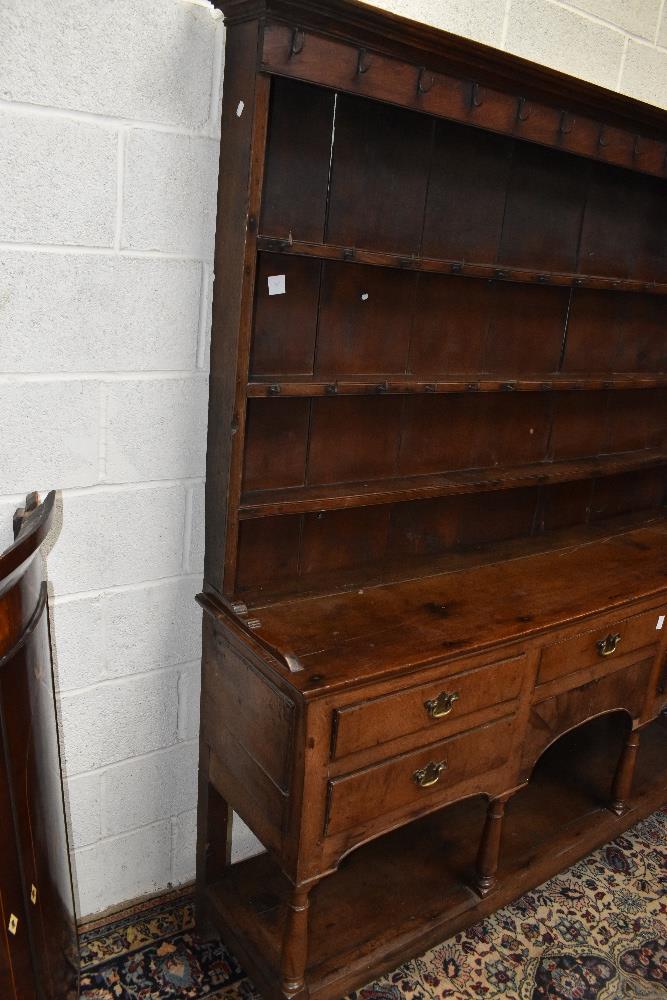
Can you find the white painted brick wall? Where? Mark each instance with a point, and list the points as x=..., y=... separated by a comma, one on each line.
x=620, y=44
x=139, y=59
x=109, y=129
x=172, y=416
x=158, y=786
x=166, y=169
x=109, y=136
x=119, y=718
x=123, y=294
x=126, y=866
x=45, y=163
x=57, y=427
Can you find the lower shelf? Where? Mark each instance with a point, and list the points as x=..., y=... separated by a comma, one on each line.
x=397, y=896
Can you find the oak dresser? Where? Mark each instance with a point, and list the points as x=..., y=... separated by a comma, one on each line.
x=434, y=664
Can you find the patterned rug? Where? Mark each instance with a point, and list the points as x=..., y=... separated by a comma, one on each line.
x=598, y=931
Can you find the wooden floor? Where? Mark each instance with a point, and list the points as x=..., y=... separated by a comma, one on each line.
x=374, y=898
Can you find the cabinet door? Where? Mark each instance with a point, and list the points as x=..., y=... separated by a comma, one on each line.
x=16, y=973
x=26, y=691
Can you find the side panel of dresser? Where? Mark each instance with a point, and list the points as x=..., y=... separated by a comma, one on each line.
x=251, y=752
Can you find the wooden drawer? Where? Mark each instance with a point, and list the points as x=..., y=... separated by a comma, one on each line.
x=585, y=650
x=380, y=720
x=394, y=785
x=624, y=689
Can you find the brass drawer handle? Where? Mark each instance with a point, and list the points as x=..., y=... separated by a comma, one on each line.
x=442, y=705
x=429, y=775
x=608, y=645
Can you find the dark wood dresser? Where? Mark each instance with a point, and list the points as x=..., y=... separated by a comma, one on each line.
x=434, y=664
x=39, y=956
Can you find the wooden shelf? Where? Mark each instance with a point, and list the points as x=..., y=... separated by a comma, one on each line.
x=301, y=499
x=366, y=385
x=466, y=269
x=463, y=610
x=402, y=567
x=376, y=895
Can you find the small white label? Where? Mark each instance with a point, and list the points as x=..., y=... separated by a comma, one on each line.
x=364, y=296
x=661, y=621
x=239, y=109
x=276, y=284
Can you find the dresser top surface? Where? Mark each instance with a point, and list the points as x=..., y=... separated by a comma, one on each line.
x=362, y=635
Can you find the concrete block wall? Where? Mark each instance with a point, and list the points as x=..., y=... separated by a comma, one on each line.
x=108, y=169
x=619, y=44
x=109, y=143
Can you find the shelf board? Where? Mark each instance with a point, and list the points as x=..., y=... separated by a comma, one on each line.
x=366, y=385
x=466, y=269
x=303, y=499
x=464, y=610
x=375, y=897
x=402, y=568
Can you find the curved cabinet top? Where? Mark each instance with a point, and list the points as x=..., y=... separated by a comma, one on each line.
x=21, y=577
x=31, y=525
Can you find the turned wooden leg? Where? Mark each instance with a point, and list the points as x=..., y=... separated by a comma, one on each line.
x=488, y=855
x=214, y=838
x=295, y=943
x=625, y=769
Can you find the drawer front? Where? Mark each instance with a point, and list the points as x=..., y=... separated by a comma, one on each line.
x=624, y=689
x=592, y=647
x=429, y=776
x=429, y=708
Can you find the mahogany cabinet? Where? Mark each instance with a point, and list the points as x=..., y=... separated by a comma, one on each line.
x=39, y=957
x=436, y=559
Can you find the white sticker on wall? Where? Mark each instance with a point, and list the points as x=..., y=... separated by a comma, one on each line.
x=239, y=109
x=661, y=622
x=276, y=284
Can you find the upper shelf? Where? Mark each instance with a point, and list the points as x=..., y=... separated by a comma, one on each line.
x=463, y=268
x=447, y=198
x=425, y=619
x=293, y=500
x=520, y=100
